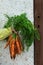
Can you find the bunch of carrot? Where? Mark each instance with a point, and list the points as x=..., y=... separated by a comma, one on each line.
x=15, y=46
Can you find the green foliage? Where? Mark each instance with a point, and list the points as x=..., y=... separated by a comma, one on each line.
x=37, y=35
x=27, y=30
x=14, y=35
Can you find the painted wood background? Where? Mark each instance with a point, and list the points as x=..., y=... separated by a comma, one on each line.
x=38, y=19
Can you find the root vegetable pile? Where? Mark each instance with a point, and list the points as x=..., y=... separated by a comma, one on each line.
x=15, y=46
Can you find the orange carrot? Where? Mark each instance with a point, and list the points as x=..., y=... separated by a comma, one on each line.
x=12, y=48
x=18, y=44
x=10, y=37
x=15, y=46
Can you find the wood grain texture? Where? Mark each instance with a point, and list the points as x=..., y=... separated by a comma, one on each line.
x=38, y=21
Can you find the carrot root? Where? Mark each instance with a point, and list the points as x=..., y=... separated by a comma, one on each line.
x=19, y=46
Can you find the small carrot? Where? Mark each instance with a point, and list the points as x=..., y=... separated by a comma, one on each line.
x=10, y=37
x=18, y=45
x=12, y=48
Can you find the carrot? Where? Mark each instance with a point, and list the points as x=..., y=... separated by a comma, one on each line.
x=10, y=37
x=12, y=48
x=15, y=46
x=18, y=44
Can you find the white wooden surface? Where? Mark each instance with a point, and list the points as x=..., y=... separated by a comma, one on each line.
x=14, y=7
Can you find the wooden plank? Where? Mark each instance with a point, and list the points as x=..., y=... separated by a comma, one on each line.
x=41, y=31
x=38, y=20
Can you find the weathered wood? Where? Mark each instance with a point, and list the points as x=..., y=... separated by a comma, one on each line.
x=38, y=20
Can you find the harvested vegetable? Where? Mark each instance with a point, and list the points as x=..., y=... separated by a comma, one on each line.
x=20, y=32
x=4, y=33
x=24, y=27
x=18, y=45
x=12, y=48
x=9, y=39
